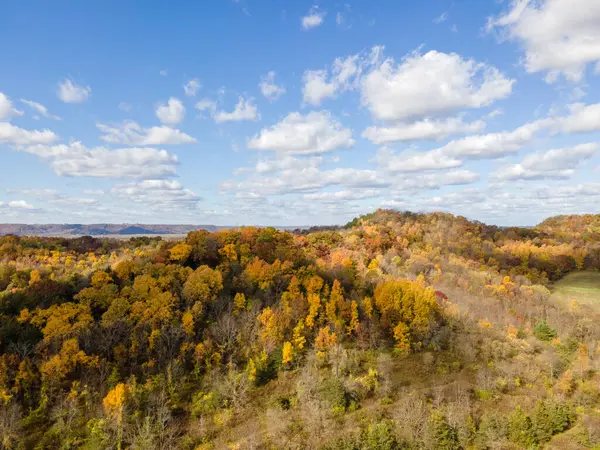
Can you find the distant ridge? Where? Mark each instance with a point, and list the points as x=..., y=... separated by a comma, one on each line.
x=99, y=229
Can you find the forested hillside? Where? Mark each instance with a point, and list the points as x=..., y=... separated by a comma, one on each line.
x=397, y=331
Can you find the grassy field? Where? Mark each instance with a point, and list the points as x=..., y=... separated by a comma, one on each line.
x=581, y=286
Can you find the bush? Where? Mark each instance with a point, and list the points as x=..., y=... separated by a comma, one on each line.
x=543, y=332
x=339, y=398
x=377, y=436
x=443, y=436
x=549, y=418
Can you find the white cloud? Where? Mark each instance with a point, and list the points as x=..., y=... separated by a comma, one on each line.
x=93, y=192
x=558, y=36
x=164, y=72
x=76, y=160
x=316, y=132
x=582, y=119
x=192, y=87
x=131, y=133
x=462, y=198
x=441, y=18
x=70, y=92
x=316, y=87
x=414, y=162
x=245, y=109
x=41, y=109
x=430, y=84
x=206, y=105
x=313, y=19
x=436, y=180
x=493, y=145
x=19, y=204
x=11, y=134
x=552, y=164
x=342, y=196
x=6, y=108
x=124, y=106
x=345, y=76
x=157, y=194
x=430, y=129
x=309, y=179
x=34, y=192
x=287, y=163
x=269, y=88
x=172, y=112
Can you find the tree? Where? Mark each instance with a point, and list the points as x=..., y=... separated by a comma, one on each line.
x=114, y=404
x=287, y=353
x=180, y=252
x=203, y=285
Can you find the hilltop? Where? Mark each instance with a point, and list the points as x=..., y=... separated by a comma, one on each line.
x=395, y=331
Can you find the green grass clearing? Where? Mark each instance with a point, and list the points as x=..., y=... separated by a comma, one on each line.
x=584, y=287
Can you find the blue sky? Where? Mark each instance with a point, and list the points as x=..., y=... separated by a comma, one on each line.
x=294, y=113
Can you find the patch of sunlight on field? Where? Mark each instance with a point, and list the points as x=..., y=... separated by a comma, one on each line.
x=583, y=287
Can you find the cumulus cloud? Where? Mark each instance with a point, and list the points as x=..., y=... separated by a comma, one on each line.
x=245, y=109
x=40, y=109
x=552, y=164
x=493, y=145
x=414, y=162
x=192, y=87
x=436, y=180
x=315, y=132
x=153, y=193
x=313, y=19
x=582, y=119
x=429, y=129
x=76, y=160
x=206, y=104
x=269, y=88
x=131, y=133
x=558, y=36
x=70, y=92
x=309, y=179
x=344, y=75
x=172, y=112
x=316, y=87
x=287, y=163
x=19, y=204
x=11, y=134
x=342, y=196
x=431, y=84
x=6, y=108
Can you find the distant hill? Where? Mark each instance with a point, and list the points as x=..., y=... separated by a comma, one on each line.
x=583, y=226
x=99, y=229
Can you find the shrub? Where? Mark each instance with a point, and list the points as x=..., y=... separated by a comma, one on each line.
x=543, y=332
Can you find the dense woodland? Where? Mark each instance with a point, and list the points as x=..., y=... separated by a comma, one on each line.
x=397, y=331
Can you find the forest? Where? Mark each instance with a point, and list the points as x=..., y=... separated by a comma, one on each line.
x=396, y=331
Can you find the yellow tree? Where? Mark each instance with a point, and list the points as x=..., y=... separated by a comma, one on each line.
x=203, y=285
x=287, y=353
x=298, y=335
x=270, y=332
x=239, y=302
x=314, y=305
x=334, y=305
x=354, y=323
x=325, y=340
x=180, y=252
x=114, y=404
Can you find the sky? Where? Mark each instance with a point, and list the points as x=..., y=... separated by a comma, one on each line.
x=291, y=112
